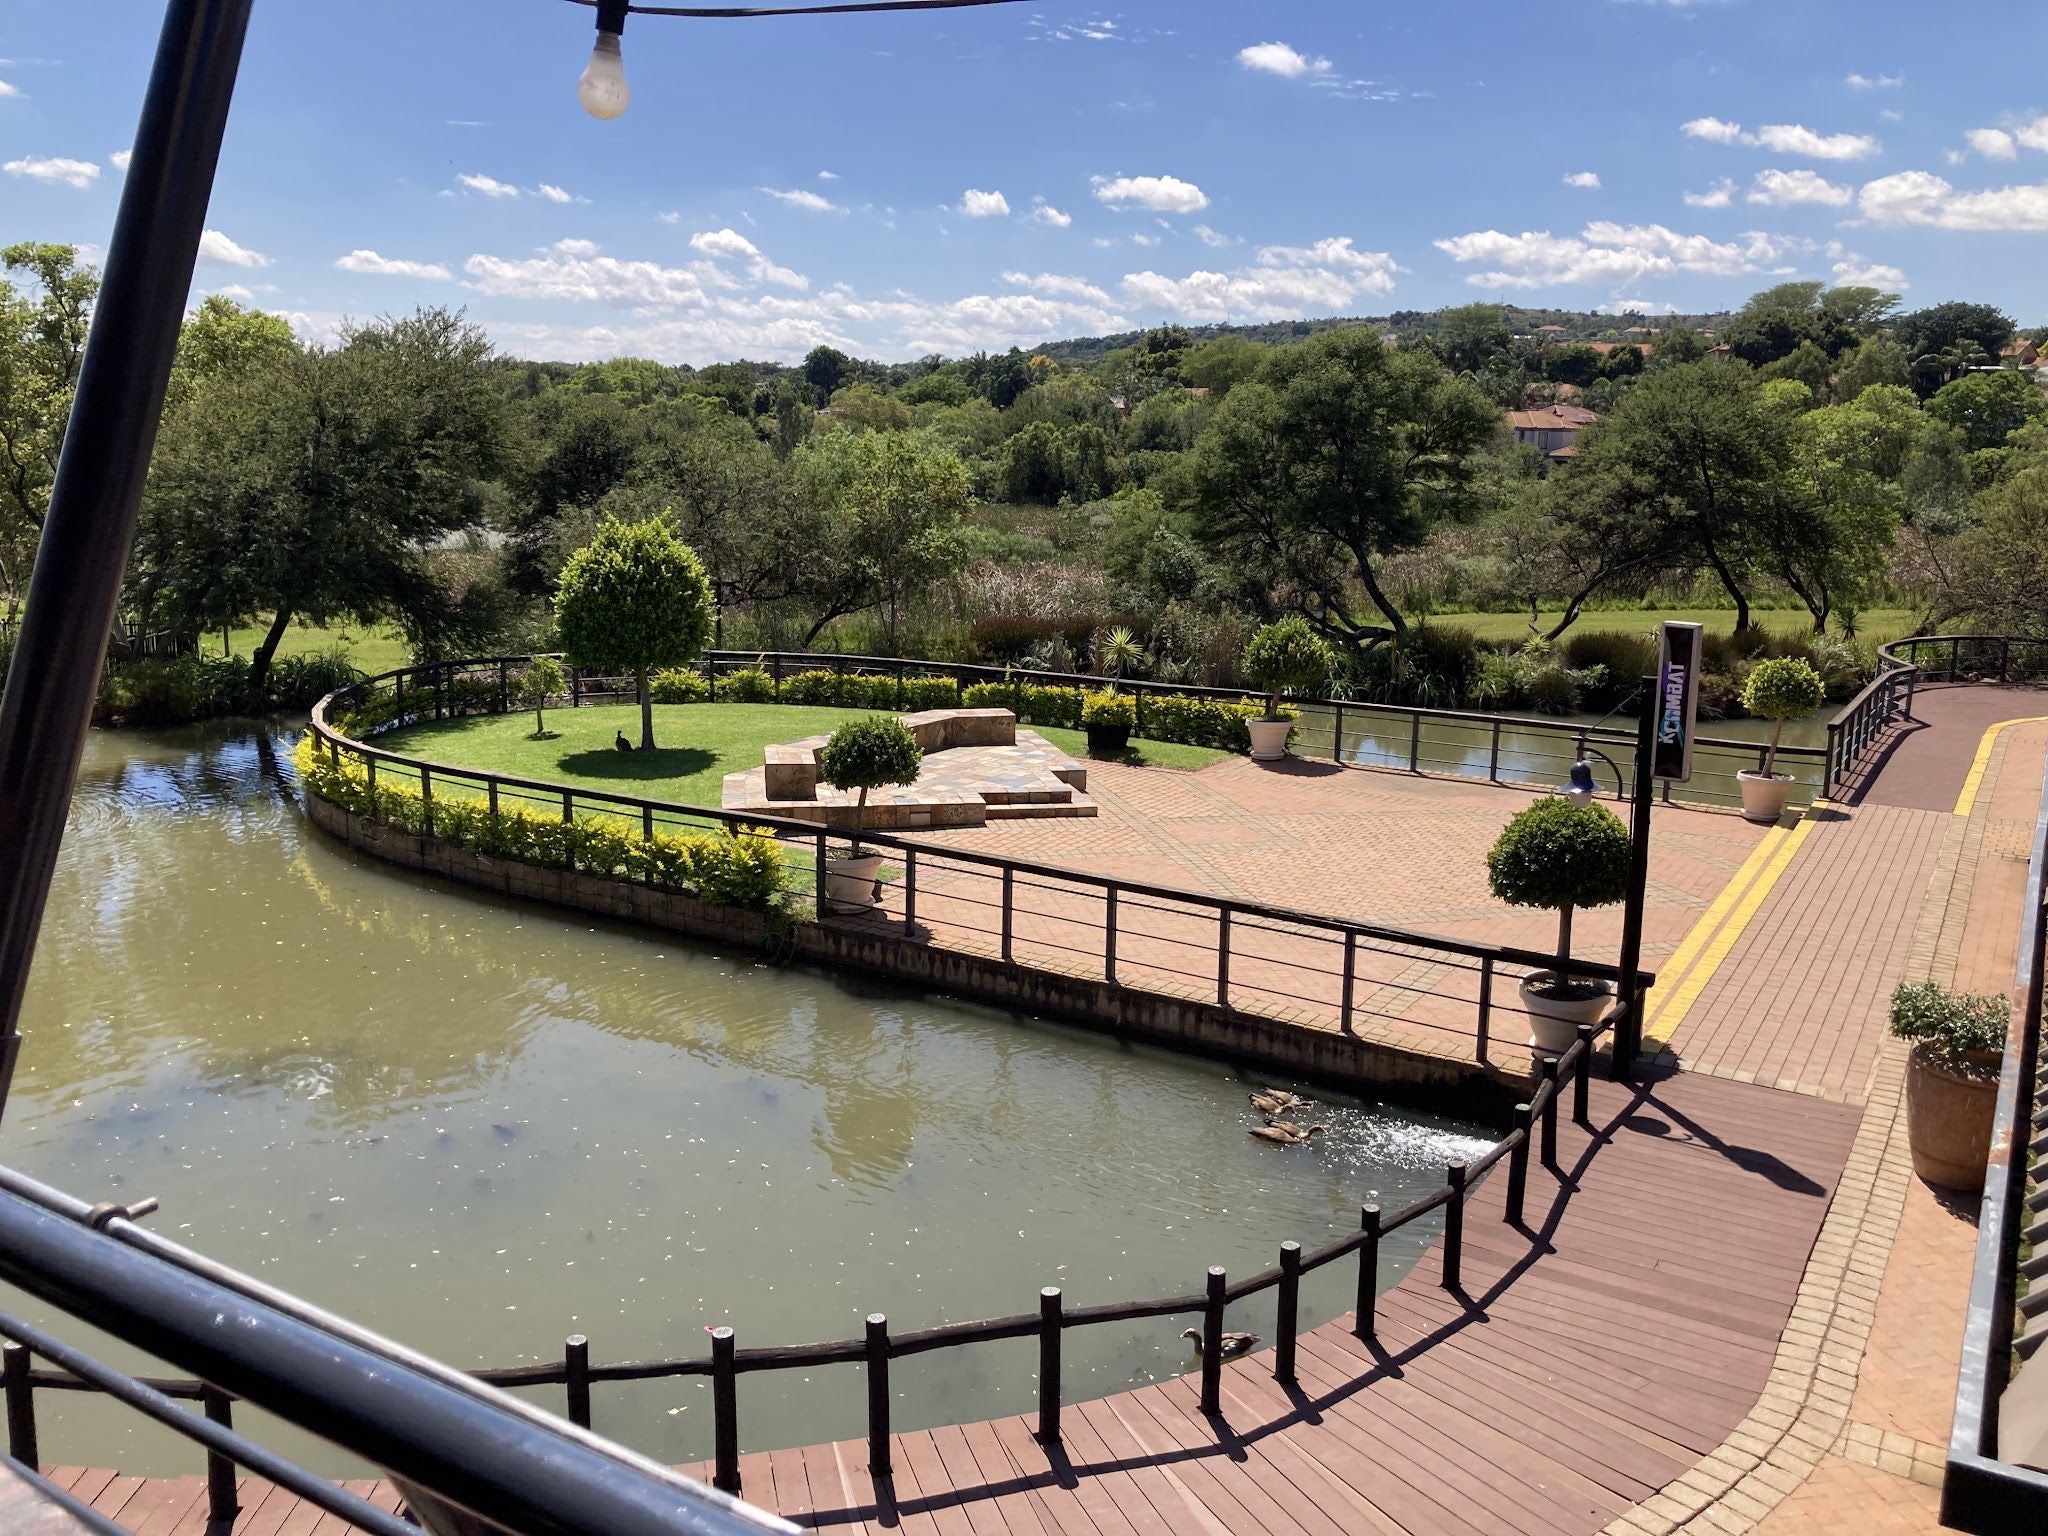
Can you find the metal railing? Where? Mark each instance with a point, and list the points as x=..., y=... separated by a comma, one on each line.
x=1534, y=1132
x=1473, y=744
x=1983, y=1489
x=1253, y=957
x=1902, y=667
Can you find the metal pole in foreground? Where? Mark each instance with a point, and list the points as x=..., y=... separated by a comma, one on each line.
x=91, y=521
x=1628, y=1039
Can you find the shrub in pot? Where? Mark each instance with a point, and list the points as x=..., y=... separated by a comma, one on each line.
x=1560, y=857
x=1284, y=657
x=864, y=755
x=1783, y=688
x=1951, y=1079
x=1109, y=719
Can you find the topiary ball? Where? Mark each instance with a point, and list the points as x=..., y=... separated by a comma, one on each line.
x=1556, y=854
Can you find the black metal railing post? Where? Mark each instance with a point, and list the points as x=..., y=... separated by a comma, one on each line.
x=576, y=1379
x=1050, y=1325
x=1350, y=995
x=878, y=1395
x=1485, y=1032
x=1518, y=1165
x=1368, y=1272
x=909, y=891
x=1454, y=1228
x=1549, y=1091
x=21, y=1405
x=1582, y=1076
x=221, y=1503
x=1222, y=957
x=820, y=873
x=1109, y=936
x=1009, y=907
x=725, y=1413
x=1212, y=1342
x=1288, y=1324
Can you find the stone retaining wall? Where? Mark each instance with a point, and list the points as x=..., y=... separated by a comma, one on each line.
x=1290, y=1050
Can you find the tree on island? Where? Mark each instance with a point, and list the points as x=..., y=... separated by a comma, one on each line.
x=541, y=681
x=634, y=599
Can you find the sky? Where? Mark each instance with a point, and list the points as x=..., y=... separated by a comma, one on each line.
x=948, y=181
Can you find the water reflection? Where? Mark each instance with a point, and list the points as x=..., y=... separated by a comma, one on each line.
x=480, y=1126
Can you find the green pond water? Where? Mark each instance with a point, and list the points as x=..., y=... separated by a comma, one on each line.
x=480, y=1126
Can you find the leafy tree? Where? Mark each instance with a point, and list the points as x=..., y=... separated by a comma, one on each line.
x=579, y=446
x=1338, y=453
x=633, y=599
x=541, y=681
x=1999, y=578
x=1942, y=335
x=1470, y=336
x=1844, y=500
x=1880, y=360
x=1679, y=344
x=1287, y=656
x=1987, y=408
x=867, y=409
x=825, y=370
x=1559, y=856
x=866, y=754
x=1219, y=366
x=43, y=327
x=314, y=487
x=224, y=340
x=1808, y=364
x=1779, y=689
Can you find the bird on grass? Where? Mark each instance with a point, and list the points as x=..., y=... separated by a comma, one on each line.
x=1234, y=1344
x=1274, y=1101
x=1283, y=1135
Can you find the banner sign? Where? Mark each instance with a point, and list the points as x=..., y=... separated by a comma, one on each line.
x=1679, y=658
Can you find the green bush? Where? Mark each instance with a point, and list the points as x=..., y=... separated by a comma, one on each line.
x=728, y=869
x=152, y=693
x=922, y=693
x=1953, y=1026
x=1287, y=657
x=678, y=685
x=1558, y=856
x=1625, y=657
x=864, y=755
x=1784, y=688
x=1110, y=710
x=1218, y=723
x=1032, y=703
x=750, y=685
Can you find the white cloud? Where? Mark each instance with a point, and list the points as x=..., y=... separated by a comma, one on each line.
x=1279, y=59
x=1590, y=180
x=1161, y=194
x=1210, y=237
x=1796, y=139
x=1713, y=130
x=1636, y=307
x=217, y=250
x=1853, y=269
x=119, y=159
x=574, y=247
x=1782, y=189
x=669, y=218
x=1044, y=213
x=800, y=197
x=1785, y=138
x=489, y=186
x=71, y=173
x=828, y=175
x=1993, y=143
x=1145, y=240
x=1605, y=252
x=731, y=245
x=2033, y=135
x=236, y=292
x=1052, y=285
x=1874, y=82
x=556, y=194
x=371, y=264
x=1330, y=276
x=9, y=92
x=977, y=204
x=1719, y=195
x=1921, y=197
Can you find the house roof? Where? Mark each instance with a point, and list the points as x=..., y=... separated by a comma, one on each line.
x=1552, y=418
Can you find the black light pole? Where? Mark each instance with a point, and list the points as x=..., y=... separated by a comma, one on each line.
x=1628, y=1039
x=76, y=588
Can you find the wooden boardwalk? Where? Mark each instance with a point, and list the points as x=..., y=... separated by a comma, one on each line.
x=1588, y=1360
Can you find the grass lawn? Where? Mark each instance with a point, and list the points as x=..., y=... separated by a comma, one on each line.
x=1875, y=625
x=697, y=746
x=371, y=649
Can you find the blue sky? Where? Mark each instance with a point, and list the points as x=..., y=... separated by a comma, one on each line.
x=904, y=184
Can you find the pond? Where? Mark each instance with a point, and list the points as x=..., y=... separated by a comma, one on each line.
x=480, y=1126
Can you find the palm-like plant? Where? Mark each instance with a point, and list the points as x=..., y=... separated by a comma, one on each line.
x=1117, y=653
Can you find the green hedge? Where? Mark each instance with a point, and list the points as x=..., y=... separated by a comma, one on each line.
x=864, y=690
x=742, y=869
x=1178, y=717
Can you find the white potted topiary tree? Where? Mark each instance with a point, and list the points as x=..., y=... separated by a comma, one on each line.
x=1283, y=657
x=1784, y=688
x=863, y=755
x=1560, y=857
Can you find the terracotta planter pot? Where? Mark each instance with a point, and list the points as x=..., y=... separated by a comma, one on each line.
x=1269, y=738
x=1555, y=1014
x=1948, y=1119
x=1764, y=794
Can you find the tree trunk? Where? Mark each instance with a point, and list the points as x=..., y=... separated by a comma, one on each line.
x=259, y=664
x=646, y=709
x=1771, y=756
x=540, y=725
x=860, y=816
x=1564, y=943
x=1732, y=587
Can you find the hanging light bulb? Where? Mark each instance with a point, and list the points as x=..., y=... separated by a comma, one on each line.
x=603, y=89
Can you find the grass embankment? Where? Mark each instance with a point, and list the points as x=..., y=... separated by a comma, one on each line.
x=371, y=650
x=697, y=745
x=1876, y=626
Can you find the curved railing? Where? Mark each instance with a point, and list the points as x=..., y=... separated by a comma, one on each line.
x=1535, y=1126
x=1902, y=666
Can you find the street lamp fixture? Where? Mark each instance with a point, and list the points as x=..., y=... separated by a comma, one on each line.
x=1578, y=786
x=603, y=89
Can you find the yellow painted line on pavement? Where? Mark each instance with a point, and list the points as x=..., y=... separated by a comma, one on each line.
x=1679, y=1000
x=1671, y=975
x=1966, y=802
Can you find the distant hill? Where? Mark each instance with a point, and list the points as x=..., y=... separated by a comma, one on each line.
x=1578, y=325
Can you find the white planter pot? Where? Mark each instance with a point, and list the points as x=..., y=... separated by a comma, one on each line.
x=853, y=884
x=1764, y=794
x=1554, y=1021
x=1269, y=738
